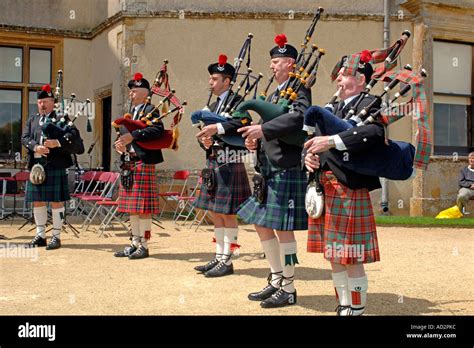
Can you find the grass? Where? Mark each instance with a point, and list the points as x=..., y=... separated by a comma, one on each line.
x=423, y=221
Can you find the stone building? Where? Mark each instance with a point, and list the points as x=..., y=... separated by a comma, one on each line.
x=100, y=44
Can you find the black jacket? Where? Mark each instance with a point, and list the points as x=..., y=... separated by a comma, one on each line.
x=358, y=141
x=146, y=134
x=222, y=144
x=58, y=157
x=280, y=154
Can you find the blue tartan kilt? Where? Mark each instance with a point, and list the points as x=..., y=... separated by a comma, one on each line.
x=284, y=209
x=54, y=189
x=232, y=189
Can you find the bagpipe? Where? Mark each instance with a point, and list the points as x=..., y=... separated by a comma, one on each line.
x=61, y=125
x=160, y=87
x=304, y=75
x=396, y=159
x=227, y=109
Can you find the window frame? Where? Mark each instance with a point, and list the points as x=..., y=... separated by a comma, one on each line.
x=22, y=62
x=30, y=41
x=462, y=150
x=50, y=63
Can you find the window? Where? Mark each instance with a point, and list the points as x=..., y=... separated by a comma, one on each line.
x=453, y=98
x=10, y=121
x=11, y=60
x=26, y=63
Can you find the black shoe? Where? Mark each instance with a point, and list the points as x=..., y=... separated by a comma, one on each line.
x=36, y=242
x=281, y=298
x=263, y=294
x=267, y=291
x=55, y=243
x=140, y=253
x=343, y=310
x=126, y=252
x=208, y=266
x=220, y=270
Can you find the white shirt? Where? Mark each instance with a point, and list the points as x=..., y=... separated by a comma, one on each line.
x=136, y=109
x=221, y=99
x=220, y=129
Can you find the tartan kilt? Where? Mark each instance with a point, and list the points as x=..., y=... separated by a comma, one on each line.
x=54, y=189
x=284, y=209
x=142, y=197
x=232, y=189
x=346, y=231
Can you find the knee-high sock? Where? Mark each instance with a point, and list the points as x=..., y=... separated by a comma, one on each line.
x=358, y=288
x=271, y=248
x=145, y=231
x=58, y=217
x=230, y=240
x=135, y=227
x=41, y=215
x=288, y=261
x=341, y=287
x=219, y=237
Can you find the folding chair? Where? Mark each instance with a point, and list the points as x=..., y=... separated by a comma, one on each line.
x=186, y=202
x=100, y=189
x=5, y=180
x=106, y=195
x=21, y=179
x=198, y=220
x=87, y=191
x=111, y=207
x=169, y=195
x=19, y=194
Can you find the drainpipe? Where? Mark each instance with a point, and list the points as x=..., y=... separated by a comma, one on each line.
x=386, y=42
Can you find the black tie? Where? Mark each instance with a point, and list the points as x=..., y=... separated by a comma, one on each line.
x=217, y=104
x=275, y=95
x=339, y=109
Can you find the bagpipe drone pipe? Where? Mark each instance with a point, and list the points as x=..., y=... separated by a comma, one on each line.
x=61, y=126
x=304, y=75
x=227, y=109
x=169, y=138
x=395, y=159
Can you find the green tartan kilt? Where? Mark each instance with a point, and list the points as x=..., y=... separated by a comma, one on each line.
x=232, y=189
x=54, y=189
x=284, y=209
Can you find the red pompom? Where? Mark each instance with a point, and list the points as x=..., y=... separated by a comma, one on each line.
x=281, y=40
x=222, y=59
x=365, y=56
x=138, y=76
x=46, y=88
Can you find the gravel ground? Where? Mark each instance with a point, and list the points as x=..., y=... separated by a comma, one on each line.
x=424, y=271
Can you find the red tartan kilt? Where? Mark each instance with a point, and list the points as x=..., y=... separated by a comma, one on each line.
x=346, y=232
x=142, y=197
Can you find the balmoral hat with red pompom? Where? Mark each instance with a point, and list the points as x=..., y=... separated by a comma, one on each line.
x=221, y=67
x=359, y=62
x=283, y=49
x=138, y=82
x=45, y=92
x=365, y=68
